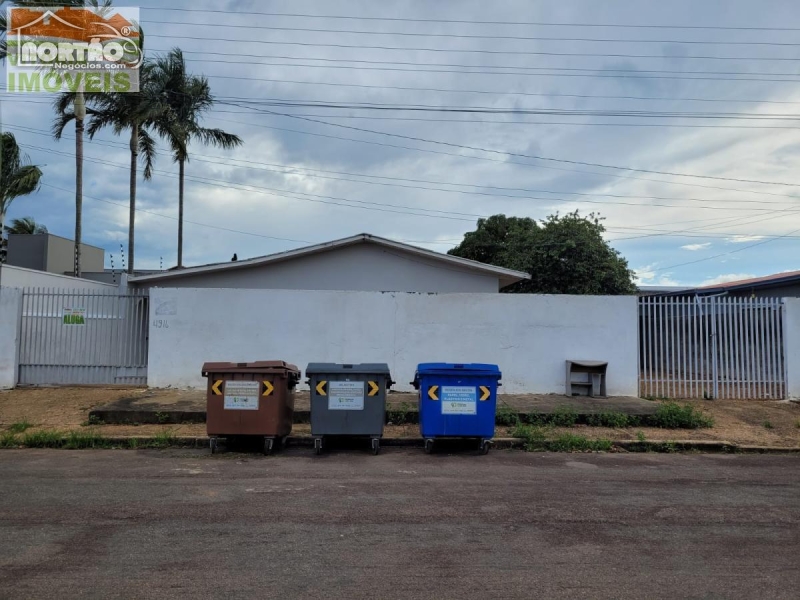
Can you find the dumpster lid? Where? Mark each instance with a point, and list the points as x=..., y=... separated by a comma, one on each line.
x=258, y=366
x=337, y=368
x=455, y=368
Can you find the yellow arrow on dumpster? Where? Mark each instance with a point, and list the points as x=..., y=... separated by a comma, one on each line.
x=268, y=387
x=215, y=388
x=485, y=392
x=432, y=392
x=321, y=388
x=374, y=388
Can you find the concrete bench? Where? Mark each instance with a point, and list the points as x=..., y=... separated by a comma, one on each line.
x=594, y=382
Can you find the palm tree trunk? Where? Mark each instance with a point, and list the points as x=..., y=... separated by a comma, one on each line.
x=181, y=165
x=80, y=113
x=132, y=215
x=2, y=235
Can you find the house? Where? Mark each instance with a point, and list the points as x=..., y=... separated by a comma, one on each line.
x=51, y=253
x=361, y=262
x=779, y=285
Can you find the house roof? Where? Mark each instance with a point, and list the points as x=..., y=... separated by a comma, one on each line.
x=766, y=281
x=505, y=276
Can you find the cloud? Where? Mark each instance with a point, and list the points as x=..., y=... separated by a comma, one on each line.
x=741, y=239
x=694, y=247
x=727, y=278
x=648, y=276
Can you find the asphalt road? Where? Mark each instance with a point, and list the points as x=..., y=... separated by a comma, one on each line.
x=180, y=523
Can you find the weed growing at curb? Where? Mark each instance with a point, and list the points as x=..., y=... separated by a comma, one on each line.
x=162, y=417
x=20, y=426
x=672, y=415
x=640, y=436
x=8, y=440
x=535, y=439
x=163, y=439
x=43, y=439
x=78, y=440
x=564, y=416
x=610, y=419
x=506, y=416
x=768, y=425
x=401, y=415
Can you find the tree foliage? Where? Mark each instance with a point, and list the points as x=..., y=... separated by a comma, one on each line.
x=25, y=226
x=563, y=254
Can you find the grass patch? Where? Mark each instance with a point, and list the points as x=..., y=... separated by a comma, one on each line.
x=43, y=439
x=402, y=414
x=20, y=426
x=163, y=439
x=133, y=443
x=8, y=440
x=535, y=439
x=506, y=416
x=672, y=415
x=162, y=417
x=640, y=436
x=78, y=440
x=768, y=425
x=610, y=419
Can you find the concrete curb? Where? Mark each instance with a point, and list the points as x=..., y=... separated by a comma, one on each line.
x=670, y=446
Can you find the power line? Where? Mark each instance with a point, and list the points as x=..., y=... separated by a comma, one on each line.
x=523, y=155
x=228, y=161
x=454, y=50
x=485, y=22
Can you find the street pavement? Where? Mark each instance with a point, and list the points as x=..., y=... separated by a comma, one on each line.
x=182, y=523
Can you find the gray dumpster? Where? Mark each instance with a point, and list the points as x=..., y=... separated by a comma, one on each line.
x=348, y=400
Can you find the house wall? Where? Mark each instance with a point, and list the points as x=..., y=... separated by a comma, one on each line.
x=10, y=315
x=17, y=277
x=362, y=267
x=791, y=340
x=51, y=253
x=529, y=336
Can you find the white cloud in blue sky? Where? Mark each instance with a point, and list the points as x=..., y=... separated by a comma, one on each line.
x=233, y=199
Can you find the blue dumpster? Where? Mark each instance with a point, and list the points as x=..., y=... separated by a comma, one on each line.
x=457, y=400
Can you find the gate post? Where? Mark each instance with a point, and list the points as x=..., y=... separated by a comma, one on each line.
x=714, y=348
x=10, y=328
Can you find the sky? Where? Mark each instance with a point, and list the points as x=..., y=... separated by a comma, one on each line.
x=718, y=82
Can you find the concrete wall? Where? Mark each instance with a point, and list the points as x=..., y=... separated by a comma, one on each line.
x=791, y=340
x=529, y=336
x=363, y=267
x=17, y=277
x=10, y=314
x=51, y=253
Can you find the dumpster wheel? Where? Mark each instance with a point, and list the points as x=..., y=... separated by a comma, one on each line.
x=317, y=445
x=212, y=444
x=428, y=446
x=376, y=445
x=269, y=443
x=485, y=445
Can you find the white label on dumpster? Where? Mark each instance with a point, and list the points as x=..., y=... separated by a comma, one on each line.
x=345, y=395
x=459, y=400
x=241, y=395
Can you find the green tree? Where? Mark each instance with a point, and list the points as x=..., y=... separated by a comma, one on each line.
x=563, y=254
x=131, y=112
x=78, y=109
x=187, y=98
x=17, y=176
x=25, y=226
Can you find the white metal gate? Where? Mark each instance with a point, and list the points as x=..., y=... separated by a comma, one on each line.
x=83, y=337
x=713, y=347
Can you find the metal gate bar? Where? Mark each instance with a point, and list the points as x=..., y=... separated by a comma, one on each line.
x=718, y=347
x=83, y=337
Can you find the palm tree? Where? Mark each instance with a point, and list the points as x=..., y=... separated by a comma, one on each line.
x=134, y=112
x=187, y=97
x=79, y=112
x=25, y=226
x=17, y=176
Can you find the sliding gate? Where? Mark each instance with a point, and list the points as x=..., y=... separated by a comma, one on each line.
x=712, y=347
x=83, y=337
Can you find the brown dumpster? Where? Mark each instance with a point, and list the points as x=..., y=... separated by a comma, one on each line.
x=250, y=399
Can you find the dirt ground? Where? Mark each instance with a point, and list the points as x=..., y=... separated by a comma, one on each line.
x=745, y=422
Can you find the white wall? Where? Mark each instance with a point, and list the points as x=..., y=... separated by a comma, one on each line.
x=10, y=313
x=19, y=277
x=791, y=340
x=363, y=267
x=529, y=336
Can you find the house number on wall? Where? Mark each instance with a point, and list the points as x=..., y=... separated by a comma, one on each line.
x=160, y=324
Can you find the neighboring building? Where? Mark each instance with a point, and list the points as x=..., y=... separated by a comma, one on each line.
x=362, y=262
x=51, y=253
x=114, y=276
x=780, y=285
